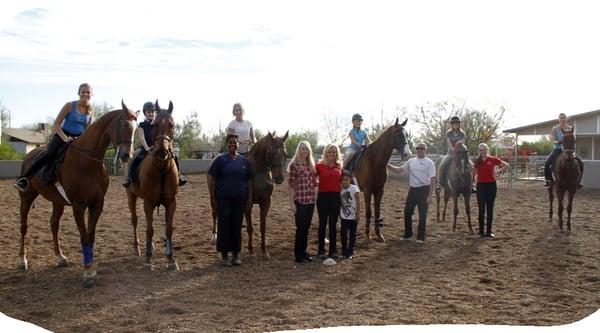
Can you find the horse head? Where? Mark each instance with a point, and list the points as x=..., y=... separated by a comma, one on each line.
x=462, y=167
x=163, y=131
x=276, y=155
x=569, y=140
x=400, y=139
x=122, y=138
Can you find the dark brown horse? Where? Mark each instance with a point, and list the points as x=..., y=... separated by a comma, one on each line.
x=84, y=179
x=459, y=182
x=566, y=174
x=371, y=171
x=157, y=186
x=267, y=159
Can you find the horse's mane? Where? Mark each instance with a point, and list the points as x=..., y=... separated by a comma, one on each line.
x=384, y=134
x=258, y=146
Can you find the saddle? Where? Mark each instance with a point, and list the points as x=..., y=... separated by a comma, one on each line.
x=353, y=163
x=49, y=173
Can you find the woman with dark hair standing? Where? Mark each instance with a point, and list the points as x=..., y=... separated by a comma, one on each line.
x=70, y=123
x=230, y=189
x=485, y=176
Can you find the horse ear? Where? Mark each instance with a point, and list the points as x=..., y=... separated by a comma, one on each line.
x=156, y=106
x=404, y=123
x=396, y=123
x=123, y=106
x=170, y=110
x=269, y=134
x=285, y=136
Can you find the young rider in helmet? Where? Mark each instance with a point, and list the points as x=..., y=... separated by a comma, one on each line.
x=358, y=138
x=455, y=136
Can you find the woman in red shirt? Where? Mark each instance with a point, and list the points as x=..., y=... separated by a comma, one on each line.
x=329, y=171
x=302, y=188
x=485, y=177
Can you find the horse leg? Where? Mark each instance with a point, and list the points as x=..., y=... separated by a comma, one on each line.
x=169, y=213
x=378, y=221
x=560, y=195
x=551, y=200
x=570, y=208
x=149, y=211
x=367, y=196
x=132, y=202
x=467, y=197
x=446, y=199
x=264, y=209
x=455, y=211
x=26, y=201
x=437, y=200
x=249, y=229
x=214, y=229
x=87, y=247
x=57, y=211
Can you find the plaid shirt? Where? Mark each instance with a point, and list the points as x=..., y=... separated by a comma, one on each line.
x=303, y=180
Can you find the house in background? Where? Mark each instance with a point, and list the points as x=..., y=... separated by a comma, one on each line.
x=587, y=132
x=25, y=140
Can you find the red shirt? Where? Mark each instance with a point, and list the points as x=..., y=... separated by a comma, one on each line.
x=329, y=177
x=303, y=180
x=485, y=172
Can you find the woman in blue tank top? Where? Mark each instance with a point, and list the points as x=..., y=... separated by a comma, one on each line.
x=70, y=123
x=557, y=136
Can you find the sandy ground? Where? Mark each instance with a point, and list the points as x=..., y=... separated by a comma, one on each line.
x=531, y=274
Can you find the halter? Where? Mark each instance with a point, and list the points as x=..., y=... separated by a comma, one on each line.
x=118, y=142
x=270, y=164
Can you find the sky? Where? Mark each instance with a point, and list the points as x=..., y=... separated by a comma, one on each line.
x=289, y=63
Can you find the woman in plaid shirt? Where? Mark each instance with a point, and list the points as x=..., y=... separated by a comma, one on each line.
x=302, y=189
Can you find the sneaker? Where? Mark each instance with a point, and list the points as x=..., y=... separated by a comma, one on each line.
x=334, y=256
x=481, y=235
x=236, y=261
x=322, y=256
x=579, y=185
x=490, y=235
x=22, y=184
x=473, y=190
x=420, y=241
x=225, y=260
x=182, y=180
x=308, y=258
x=405, y=238
x=126, y=182
x=301, y=260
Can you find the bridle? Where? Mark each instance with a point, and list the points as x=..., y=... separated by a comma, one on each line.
x=118, y=142
x=270, y=157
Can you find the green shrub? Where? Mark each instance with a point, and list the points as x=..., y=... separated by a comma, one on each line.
x=7, y=152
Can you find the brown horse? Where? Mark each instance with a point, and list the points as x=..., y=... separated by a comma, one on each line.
x=566, y=174
x=267, y=159
x=84, y=181
x=371, y=171
x=458, y=182
x=157, y=186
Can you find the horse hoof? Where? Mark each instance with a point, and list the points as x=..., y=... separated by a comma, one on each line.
x=380, y=239
x=135, y=251
x=89, y=278
x=62, y=261
x=172, y=266
x=149, y=267
x=266, y=255
x=23, y=265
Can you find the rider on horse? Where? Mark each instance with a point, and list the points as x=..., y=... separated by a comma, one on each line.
x=72, y=120
x=454, y=137
x=144, y=134
x=358, y=140
x=557, y=135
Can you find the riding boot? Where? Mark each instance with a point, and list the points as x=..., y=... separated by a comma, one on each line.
x=126, y=182
x=182, y=180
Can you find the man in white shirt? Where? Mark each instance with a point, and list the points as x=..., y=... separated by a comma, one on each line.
x=421, y=171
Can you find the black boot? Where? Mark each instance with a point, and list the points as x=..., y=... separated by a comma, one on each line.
x=126, y=182
x=182, y=180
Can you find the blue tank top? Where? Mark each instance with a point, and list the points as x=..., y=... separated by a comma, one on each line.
x=75, y=122
x=559, y=137
x=359, y=136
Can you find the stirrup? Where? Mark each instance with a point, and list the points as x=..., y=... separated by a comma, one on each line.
x=126, y=182
x=22, y=184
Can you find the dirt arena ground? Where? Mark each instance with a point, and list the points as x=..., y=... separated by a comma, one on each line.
x=531, y=274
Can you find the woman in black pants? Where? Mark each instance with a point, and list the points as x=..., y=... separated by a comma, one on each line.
x=329, y=171
x=485, y=177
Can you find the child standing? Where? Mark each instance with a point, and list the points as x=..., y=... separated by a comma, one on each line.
x=349, y=213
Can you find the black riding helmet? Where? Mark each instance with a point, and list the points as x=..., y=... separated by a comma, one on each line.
x=356, y=116
x=454, y=119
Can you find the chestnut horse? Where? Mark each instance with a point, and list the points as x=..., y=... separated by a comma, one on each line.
x=156, y=185
x=371, y=170
x=84, y=181
x=459, y=182
x=267, y=159
x=566, y=174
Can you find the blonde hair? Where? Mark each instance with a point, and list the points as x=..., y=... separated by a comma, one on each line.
x=241, y=108
x=338, y=158
x=479, y=159
x=296, y=158
x=88, y=108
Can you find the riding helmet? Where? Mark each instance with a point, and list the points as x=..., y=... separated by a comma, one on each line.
x=454, y=119
x=356, y=116
x=148, y=106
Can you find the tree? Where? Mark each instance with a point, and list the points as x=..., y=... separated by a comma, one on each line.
x=189, y=136
x=294, y=139
x=101, y=109
x=434, y=119
x=335, y=127
x=4, y=115
x=543, y=146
